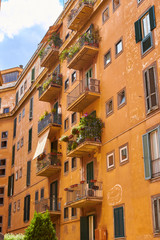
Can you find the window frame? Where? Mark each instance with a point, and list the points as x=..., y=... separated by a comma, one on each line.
x=111, y=112
x=116, y=44
x=2, y=195
x=73, y=122
x=2, y=134
x=30, y=133
x=153, y=198
x=115, y=8
x=65, y=89
x=66, y=128
x=72, y=75
x=118, y=95
x=122, y=162
x=103, y=21
x=42, y=195
x=1, y=224
x=64, y=212
x=73, y=168
x=66, y=172
x=8, y=110
x=106, y=65
x=116, y=207
x=73, y=216
x=112, y=153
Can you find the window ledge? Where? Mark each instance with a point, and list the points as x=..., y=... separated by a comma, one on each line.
x=155, y=179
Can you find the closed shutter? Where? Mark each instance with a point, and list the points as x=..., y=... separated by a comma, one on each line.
x=12, y=185
x=25, y=205
x=31, y=109
x=118, y=222
x=152, y=18
x=9, y=215
x=14, y=127
x=84, y=233
x=13, y=154
x=30, y=140
x=33, y=74
x=146, y=156
x=9, y=186
x=138, y=31
x=16, y=98
x=26, y=208
x=28, y=173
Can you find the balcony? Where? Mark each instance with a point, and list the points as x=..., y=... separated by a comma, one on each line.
x=52, y=121
x=88, y=141
x=50, y=88
x=81, y=96
x=53, y=205
x=85, y=194
x=48, y=165
x=80, y=14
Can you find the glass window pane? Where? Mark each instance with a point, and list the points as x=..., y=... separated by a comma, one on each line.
x=146, y=25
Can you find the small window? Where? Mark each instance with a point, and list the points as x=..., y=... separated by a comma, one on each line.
x=74, y=212
x=118, y=222
x=1, y=196
x=66, y=123
x=23, y=112
x=26, y=208
x=109, y=107
x=18, y=145
x=9, y=215
x=28, y=177
x=118, y=47
x=107, y=58
x=73, y=76
x=121, y=98
x=21, y=91
x=30, y=140
x=25, y=85
x=2, y=172
x=16, y=175
x=18, y=205
x=74, y=162
x=6, y=110
x=19, y=117
x=138, y=1
x=1, y=223
x=20, y=172
x=67, y=36
x=1, y=191
x=156, y=214
x=66, y=166
x=105, y=15
x=33, y=75
x=42, y=193
x=22, y=139
x=36, y=196
x=123, y=151
x=110, y=161
x=66, y=84
x=5, y=135
x=116, y=3
x=2, y=162
x=14, y=207
x=66, y=213
x=4, y=144
x=74, y=118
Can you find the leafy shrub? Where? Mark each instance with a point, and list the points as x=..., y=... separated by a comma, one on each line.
x=13, y=237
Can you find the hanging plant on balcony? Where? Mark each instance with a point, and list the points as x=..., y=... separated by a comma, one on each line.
x=41, y=118
x=41, y=53
x=55, y=39
x=75, y=131
x=63, y=55
x=64, y=139
x=46, y=113
x=74, y=145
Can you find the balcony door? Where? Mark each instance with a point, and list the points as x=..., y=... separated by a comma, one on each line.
x=90, y=173
x=88, y=75
x=55, y=115
x=87, y=227
x=53, y=196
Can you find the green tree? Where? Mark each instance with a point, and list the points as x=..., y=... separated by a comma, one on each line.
x=40, y=228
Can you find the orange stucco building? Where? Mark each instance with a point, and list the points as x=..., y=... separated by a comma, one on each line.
x=99, y=70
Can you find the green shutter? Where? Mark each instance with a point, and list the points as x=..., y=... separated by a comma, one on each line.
x=16, y=98
x=31, y=109
x=13, y=154
x=152, y=18
x=84, y=227
x=146, y=156
x=138, y=31
x=30, y=140
x=118, y=222
x=28, y=173
x=24, y=215
x=28, y=207
x=33, y=74
x=9, y=185
x=14, y=127
x=9, y=214
x=12, y=184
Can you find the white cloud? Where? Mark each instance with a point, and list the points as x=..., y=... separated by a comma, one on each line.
x=16, y=15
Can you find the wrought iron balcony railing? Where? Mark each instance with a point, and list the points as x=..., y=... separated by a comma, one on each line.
x=51, y=118
x=51, y=204
x=50, y=159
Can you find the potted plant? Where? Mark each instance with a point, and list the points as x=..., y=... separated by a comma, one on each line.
x=64, y=139
x=74, y=145
x=74, y=131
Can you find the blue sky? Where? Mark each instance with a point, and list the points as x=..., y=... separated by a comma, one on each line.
x=21, y=29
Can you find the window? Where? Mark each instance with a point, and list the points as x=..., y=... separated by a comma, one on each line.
x=17, y=93
x=156, y=213
x=2, y=172
x=1, y=196
x=66, y=36
x=20, y=172
x=105, y=15
x=74, y=118
x=121, y=98
x=1, y=223
x=10, y=185
x=66, y=84
x=42, y=193
x=19, y=117
x=9, y=215
x=66, y=167
x=6, y=110
x=21, y=91
x=116, y=3
x=18, y=205
x=2, y=162
x=74, y=162
x=110, y=161
x=14, y=127
x=10, y=77
x=66, y=123
x=4, y=144
x=151, y=153
x=16, y=175
x=18, y=145
x=151, y=99
x=74, y=212
x=33, y=75
x=143, y=30
x=14, y=207
x=107, y=58
x=31, y=109
x=109, y=107
x=28, y=179
x=23, y=112
x=22, y=140
x=118, y=222
x=5, y=135
x=26, y=208
x=30, y=140
x=66, y=213
x=13, y=154
x=123, y=153
x=25, y=85
x=73, y=77
x=138, y=1
x=36, y=196
x=118, y=47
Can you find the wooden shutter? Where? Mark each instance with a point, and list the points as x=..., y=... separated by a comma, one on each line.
x=16, y=98
x=118, y=222
x=28, y=207
x=31, y=109
x=9, y=186
x=84, y=233
x=30, y=140
x=12, y=184
x=152, y=18
x=15, y=126
x=33, y=74
x=13, y=154
x=138, y=31
x=146, y=156
x=9, y=214
x=28, y=173
x=24, y=215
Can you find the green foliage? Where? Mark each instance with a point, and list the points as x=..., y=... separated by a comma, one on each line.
x=56, y=39
x=41, y=52
x=64, y=139
x=13, y=237
x=40, y=228
x=63, y=55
